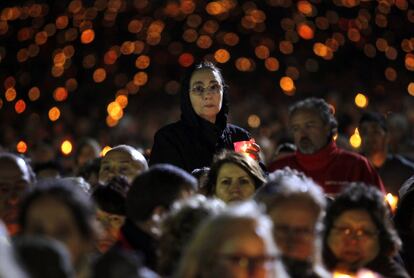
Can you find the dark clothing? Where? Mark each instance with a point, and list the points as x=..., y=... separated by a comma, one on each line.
x=394, y=172
x=332, y=167
x=132, y=238
x=192, y=142
x=184, y=147
x=387, y=267
x=403, y=220
x=299, y=269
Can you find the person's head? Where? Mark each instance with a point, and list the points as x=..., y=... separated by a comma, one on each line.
x=110, y=200
x=154, y=191
x=296, y=204
x=206, y=87
x=234, y=177
x=90, y=171
x=48, y=169
x=312, y=124
x=59, y=209
x=87, y=150
x=122, y=160
x=179, y=226
x=201, y=175
x=44, y=257
x=373, y=131
x=16, y=177
x=358, y=228
x=235, y=243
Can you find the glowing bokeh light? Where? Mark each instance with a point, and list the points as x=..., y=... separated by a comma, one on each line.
x=34, y=93
x=221, y=55
x=254, y=121
x=21, y=147
x=20, y=106
x=99, y=75
x=10, y=94
x=361, y=100
x=54, y=114
x=66, y=147
x=105, y=150
x=355, y=140
x=410, y=88
x=60, y=94
x=87, y=36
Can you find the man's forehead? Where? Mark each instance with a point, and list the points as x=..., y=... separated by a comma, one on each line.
x=305, y=115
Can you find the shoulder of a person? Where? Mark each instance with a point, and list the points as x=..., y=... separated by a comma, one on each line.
x=350, y=155
x=170, y=128
x=236, y=129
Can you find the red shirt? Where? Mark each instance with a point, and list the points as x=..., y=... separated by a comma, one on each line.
x=331, y=167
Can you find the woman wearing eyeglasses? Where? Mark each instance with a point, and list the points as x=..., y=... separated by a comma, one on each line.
x=359, y=234
x=203, y=130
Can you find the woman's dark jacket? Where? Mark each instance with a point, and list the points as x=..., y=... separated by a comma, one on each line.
x=192, y=142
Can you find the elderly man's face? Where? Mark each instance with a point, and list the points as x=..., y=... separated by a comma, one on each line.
x=14, y=181
x=309, y=132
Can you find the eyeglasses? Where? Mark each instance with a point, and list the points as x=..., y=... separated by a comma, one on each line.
x=284, y=231
x=200, y=90
x=249, y=262
x=356, y=233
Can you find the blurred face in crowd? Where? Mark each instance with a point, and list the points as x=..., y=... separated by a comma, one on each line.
x=309, y=132
x=51, y=218
x=119, y=163
x=374, y=138
x=245, y=255
x=87, y=153
x=206, y=93
x=233, y=183
x=353, y=239
x=294, y=228
x=14, y=181
x=111, y=223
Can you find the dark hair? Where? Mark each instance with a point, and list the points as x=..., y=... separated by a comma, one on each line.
x=248, y=164
x=371, y=200
x=321, y=107
x=11, y=157
x=89, y=168
x=44, y=257
x=158, y=186
x=373, y=117
x=110, y=197
x=66, y=192
x=83, y=143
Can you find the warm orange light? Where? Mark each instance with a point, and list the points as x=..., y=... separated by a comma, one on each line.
x=10, y=94
x=22, y=55
x=66, y=147
x=9, y=82
x=254, y=121
x=222, y=55
x=20, y=106
x=243, y=64
x=262, y=52
x=305, y=7
x=21, y=147
x=111, y=122
x=127, y=48
x=353, y=34
x=99, y=75
x=287, y=84
x=59, y=59
x=231, y=39
x=272, y=64
x=60, y=94
x=135, y=26
x=115, y=110
x=142, y=62
x=122, y=100
x=186, y=60
x=110, y=57
x=57, y=71
x=62, y=22
x=361, y=100
x=320, y=49
x=409, y=61
x=390, y=74
x=71, y=84
x=105, y=150
x=381, y=44
x=410, y=88
x=355, y=139
x=286, y=47
x=190, y=35
x=41, y=38
x=87, y=36
x=305, y=31
x=204, y=41
x=69, y=51
x=34, y=93
x=54, y=114
x=392, y=201
x=214, y=8
x=140, y=78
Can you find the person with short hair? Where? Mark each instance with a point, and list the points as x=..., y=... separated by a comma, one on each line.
x=235, y=243
x=359, y=233
x=313, y=126
x=296, y=204
x=234, y=177
x=150, y=197
x=16, y=178
x=122, y=160
x=393, y=169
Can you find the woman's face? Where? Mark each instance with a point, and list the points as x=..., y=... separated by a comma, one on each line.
x=245, y=255
x=206, y=94
x=353, y=239
x=51, y=218
x=233, y=183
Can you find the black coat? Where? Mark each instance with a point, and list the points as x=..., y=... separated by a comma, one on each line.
x=192, y=142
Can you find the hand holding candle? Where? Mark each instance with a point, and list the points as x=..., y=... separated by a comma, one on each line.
x=249, y=148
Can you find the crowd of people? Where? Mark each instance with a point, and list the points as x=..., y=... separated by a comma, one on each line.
x=197, y=206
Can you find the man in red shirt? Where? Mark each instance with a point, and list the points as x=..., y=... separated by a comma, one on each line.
x=313, y=126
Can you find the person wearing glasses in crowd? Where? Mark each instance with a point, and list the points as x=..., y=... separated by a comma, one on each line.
x=203, y=130
x=359, y=234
